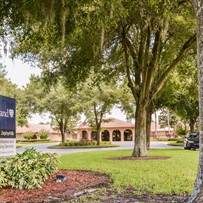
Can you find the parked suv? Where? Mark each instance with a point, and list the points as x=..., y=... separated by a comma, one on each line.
x=192, y=141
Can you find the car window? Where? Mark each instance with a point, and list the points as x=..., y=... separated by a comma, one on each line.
x=193, y=135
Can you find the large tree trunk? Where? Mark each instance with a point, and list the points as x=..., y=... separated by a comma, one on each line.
x=148, y=123
x=140, y=148
x=98, y=124
x=155, y=132
x=192, y=125
x=98, y=136
x=63, y=136
x=197, y=194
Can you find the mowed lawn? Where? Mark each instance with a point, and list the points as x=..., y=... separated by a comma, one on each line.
x=175, y=175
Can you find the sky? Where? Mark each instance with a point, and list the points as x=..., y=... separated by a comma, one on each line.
x=19, y=73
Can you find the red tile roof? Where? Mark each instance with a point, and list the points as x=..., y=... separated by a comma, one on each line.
x=112, y=123
x=33, y=128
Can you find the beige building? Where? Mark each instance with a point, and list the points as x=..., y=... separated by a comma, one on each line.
x=36, y=129
x=114, y=130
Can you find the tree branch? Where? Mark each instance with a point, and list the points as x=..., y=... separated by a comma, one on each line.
x=134, y=57
x=127, y=68
x=95, y=114
x=147, y=45
x=165, y=75
x=150, y=70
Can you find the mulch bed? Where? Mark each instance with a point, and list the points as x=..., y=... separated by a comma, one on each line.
x=82, y=185
x=112, y=196
x=51, y=190
x=145, y=158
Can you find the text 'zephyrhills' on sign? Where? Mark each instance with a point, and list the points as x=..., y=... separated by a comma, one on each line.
x=7, y=134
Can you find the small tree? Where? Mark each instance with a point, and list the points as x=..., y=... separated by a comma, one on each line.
x=98, y=101
x=62, y=103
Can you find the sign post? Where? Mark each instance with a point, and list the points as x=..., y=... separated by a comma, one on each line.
x=7, y=126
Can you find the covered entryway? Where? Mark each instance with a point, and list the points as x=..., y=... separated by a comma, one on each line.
x=116, y=135
x=84, y=134
x=105, y=135
x=93, y=135
x=128, y=135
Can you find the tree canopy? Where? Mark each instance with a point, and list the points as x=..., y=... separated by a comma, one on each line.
x=141, y=41
x=62, y=104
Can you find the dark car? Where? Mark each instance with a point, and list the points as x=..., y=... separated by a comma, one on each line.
x=192, y=141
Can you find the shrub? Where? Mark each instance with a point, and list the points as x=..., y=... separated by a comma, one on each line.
x=162, y=138
x=181, y=131
x=77, y=144
x=43, y=135
x=178, y=140
x=71, y=143
x=172, y=139
x=106, y=142
x=28, y=170
x=83, y=142
x=29, y=136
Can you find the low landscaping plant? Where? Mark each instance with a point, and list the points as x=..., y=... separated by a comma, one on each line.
x=28, y=170
x=162, y=138
x=44, y=135
x=181, y=131
x=82, y=142
x=29, y=136
x=178, y=140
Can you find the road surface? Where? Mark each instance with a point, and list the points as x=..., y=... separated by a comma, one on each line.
x=122, y=145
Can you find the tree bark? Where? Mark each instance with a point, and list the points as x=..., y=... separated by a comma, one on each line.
x=98, y=124
x=148, y=123
x=63, y=139
x=98, y=136
x=192, y=125
x=155, y=132
x=140, y=148
x=197, y=194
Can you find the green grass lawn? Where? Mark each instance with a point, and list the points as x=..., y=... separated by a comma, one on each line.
x=27, y=143
x=174, y=175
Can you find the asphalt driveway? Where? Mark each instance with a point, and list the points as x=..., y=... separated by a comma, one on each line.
x=122, y=145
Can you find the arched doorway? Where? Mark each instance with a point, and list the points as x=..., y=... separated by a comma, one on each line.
x=94, y=135
x=105, y=135
x=128, y=135
x=84, y=134
x=116, y=135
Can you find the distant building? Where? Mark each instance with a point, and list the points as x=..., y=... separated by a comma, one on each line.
x=36, y=129
x=114, y=130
